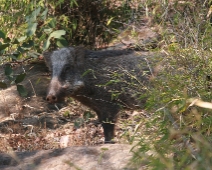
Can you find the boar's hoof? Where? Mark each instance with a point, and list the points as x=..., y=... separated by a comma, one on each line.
x=110, y=142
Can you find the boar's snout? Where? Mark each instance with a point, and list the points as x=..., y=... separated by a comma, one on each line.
x=54, y=91
x=58, y=91
x=51, y=98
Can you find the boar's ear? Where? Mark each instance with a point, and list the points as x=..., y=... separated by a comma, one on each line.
x=47, y=59
x=79, y=56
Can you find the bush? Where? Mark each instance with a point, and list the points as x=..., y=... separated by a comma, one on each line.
x=35, y=26
x=181, y=94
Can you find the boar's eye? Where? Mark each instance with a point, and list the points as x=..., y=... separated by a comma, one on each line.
x=67, y=69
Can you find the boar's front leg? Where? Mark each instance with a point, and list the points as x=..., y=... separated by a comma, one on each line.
x=109, y=128
x=108, y=119
x=106, y=112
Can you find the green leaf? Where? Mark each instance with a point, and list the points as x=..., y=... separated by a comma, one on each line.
x=22, y=38
x=104, y=149
x=16, y=41
x=34, y=54
x=38, y=81
x=44, y=14
x=28, y=44
x=21, y=90
x=36, y=12
x=62, y=42
x=31, y=29
x=48, y=30
x=74, y=24
x=78, y=123
x=2, y=34
x=20, y=78
x=7, y=40
x=73, y=2
x=20, y=49
x=87, y=115
x=3, y=46
x=8, y=70
x=46, y=44
x=112, y=82
x=33, y=16
x=43, y=37
x=88, y=72
x=52, y=23
x=110, y=20
x=3, y=85
x=57, y=34
x=15, y=55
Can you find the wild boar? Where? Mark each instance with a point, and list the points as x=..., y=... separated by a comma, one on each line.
x=105, y=81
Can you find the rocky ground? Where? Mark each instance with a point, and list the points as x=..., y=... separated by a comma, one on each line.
x=111, y=157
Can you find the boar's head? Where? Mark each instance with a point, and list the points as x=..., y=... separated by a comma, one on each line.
x=66, y=66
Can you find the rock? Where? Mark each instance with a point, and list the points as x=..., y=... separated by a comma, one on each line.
x=110, y=157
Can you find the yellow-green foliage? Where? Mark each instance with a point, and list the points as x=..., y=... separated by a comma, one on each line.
x=180, y=98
